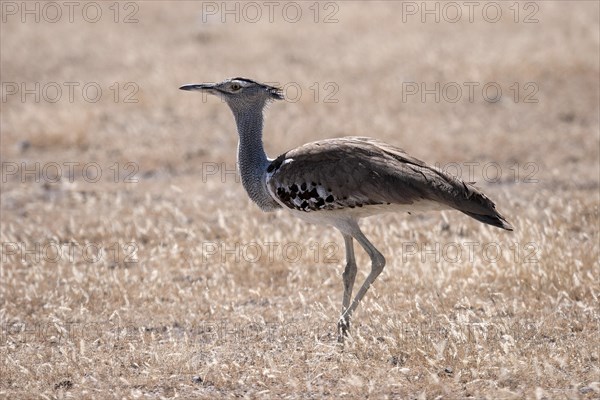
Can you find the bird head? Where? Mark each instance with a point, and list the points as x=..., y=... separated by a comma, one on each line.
x=240, y=94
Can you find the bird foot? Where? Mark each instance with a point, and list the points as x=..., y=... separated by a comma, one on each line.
x=343, y=329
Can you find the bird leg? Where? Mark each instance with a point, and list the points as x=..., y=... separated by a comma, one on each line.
x=349, y=276
x=377, y=264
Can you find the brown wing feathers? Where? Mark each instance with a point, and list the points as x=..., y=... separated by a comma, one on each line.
x=355, y=172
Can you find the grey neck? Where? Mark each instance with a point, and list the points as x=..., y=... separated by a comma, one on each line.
x=252, y=159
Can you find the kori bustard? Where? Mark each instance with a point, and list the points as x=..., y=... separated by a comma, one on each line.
x=339, y=181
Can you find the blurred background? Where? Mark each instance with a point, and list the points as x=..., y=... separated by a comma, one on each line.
x=372, y=56
x=99, y=148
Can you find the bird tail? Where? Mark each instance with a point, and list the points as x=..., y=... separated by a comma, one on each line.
x=478, y=206
x=494, y=220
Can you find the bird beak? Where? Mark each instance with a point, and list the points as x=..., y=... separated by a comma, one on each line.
x=203, y=87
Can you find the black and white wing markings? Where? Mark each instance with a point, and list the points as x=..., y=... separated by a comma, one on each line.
x=300, y=195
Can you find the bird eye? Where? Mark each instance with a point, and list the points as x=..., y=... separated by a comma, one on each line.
x=235, y=86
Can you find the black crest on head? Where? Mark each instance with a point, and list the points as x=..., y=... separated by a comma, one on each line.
x=275, y=92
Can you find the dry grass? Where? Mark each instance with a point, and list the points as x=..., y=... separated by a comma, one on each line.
x=180, y=321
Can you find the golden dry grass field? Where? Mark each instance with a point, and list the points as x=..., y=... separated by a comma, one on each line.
x=134, y=265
